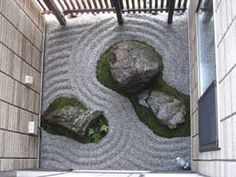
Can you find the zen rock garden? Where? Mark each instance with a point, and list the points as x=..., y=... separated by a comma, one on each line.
x=133, y=67
x=115, y=98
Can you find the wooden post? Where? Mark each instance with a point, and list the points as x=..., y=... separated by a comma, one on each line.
x=116, y=4
x=185, y=4
x=171, y=8
x=53, y=7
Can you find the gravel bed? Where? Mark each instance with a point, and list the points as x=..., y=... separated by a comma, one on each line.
x=70, y=70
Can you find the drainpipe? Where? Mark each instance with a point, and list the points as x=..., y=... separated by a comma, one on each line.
x=41, y=92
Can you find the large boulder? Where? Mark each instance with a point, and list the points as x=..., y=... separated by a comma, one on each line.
x=73, y=118
x=133, y=65
x=166, y=108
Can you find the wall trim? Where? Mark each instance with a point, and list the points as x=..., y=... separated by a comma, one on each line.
x=28, y=16
x=24, y=109
x=20, y=56
x=18, y=158
x=20, y=32
x=193, y=136
x=227, y=117
x=223, y=78
x=17, y=132
x=30, y=88
x=214, y=160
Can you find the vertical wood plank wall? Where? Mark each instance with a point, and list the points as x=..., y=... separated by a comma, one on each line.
x=21, y=37
x=220, y=163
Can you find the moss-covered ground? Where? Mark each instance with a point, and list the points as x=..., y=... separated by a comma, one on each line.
x=95, y=132
x=145, y=114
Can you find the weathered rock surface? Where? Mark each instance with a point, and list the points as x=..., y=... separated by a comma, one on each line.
x=73, y=118
x=133, y=65
x=166, y=108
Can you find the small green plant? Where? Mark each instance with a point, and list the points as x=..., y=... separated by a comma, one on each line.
x=97, y=133
x=104, y=128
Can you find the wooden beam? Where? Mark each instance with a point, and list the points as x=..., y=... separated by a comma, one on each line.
x=40, y=3
x=185, y=4
x=208, y=12
x=53, y=7
x=127, y=5
x=162, y=3
x=117, y=6
x=88, y=11
x=171, y=8
x=198, y=5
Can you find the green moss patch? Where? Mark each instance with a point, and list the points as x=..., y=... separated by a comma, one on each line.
x=94, y=133
x=104, y=75
x=145, y=114
x=148, y=118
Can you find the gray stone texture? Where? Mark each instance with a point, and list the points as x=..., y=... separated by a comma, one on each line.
x=166, y=108
x=73, y=118
x=133, y=65
x=72, y=53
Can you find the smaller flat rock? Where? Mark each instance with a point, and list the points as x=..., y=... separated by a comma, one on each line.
x=166, y=108
x=73, y=118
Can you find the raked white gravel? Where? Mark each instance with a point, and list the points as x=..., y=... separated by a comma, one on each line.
x=70, y=70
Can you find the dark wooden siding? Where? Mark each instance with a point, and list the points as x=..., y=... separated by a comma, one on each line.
x=127, y=6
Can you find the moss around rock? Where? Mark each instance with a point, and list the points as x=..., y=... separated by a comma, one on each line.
x=170, y=111
x=68, y=117
x=145, y=114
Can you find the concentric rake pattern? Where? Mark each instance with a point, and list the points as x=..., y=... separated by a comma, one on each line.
x=70, y=70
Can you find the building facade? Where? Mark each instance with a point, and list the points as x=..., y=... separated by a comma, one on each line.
x=219, y=161
x=21, y=50
x=21, y=39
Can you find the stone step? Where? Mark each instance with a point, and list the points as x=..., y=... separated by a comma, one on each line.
x=104, y=173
